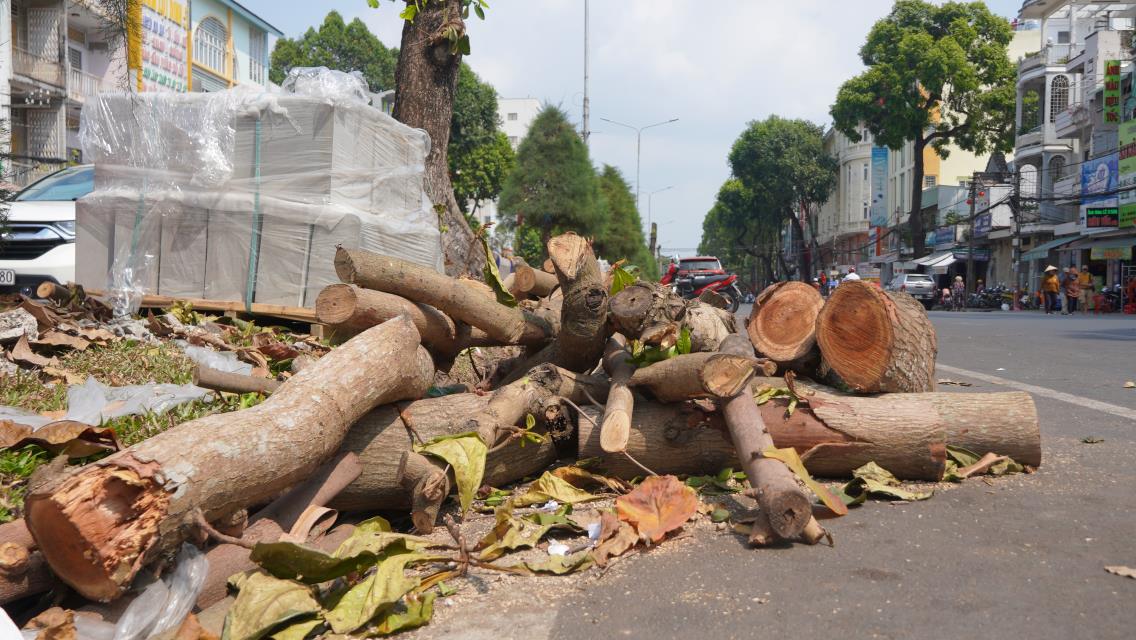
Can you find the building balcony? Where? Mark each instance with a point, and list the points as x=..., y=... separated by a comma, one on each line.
x=45, y=70
x=1052, y=55
x=82, y=85
x=1069, y=122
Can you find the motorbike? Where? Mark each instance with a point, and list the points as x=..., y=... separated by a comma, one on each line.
x=690, y=286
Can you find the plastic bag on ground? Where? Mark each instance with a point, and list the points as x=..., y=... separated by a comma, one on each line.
x=220, y=360
x=93, y=402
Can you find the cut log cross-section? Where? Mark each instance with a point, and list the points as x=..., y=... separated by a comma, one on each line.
x=876, y=340
x=97, y=527
x=782, y=500
x=533, y=282
x=507, y=325
x=782, y=325
x=645, y=309
x=695, y=375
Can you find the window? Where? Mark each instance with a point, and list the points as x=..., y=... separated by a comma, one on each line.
x=1056, y=168
x=258, y=45
x=865, y=171
x=513, y=140
x=75, y=58
x=1058, y=96
x=62, y=186
x=1062, y=37
x=929, y=181
x=512, y=117
x=867, y=208
x=209, y=44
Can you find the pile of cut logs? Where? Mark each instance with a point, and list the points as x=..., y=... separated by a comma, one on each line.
x=339, y=434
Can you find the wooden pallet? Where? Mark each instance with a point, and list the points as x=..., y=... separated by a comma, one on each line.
x=298, y=314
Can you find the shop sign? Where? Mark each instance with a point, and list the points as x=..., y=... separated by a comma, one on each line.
x=1110, y=253
x=1099, y=178
x=1112, y=105
x=1127, y=167
x=879, y=212
x=1101, y=217
x=979, y=254
x=983, y=224
x=944, y=235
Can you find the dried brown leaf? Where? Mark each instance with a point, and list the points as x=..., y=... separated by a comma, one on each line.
x=616, y=538
x=60, y=340
x=22, y=354
x=76, y=439
x=656, y=507
x=584, y=479
x=56, y=623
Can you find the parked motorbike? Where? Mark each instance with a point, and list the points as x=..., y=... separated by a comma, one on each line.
x=692, y=286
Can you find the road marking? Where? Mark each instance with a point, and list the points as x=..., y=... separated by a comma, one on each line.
x=1115, y=410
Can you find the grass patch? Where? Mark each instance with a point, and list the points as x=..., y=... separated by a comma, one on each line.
x=127, y=362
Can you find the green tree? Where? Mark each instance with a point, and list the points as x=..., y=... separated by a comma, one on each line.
x=480, y=155
x=741, y=233
x=479, y=173
x=784, y=168
x=936, y=75
x=623, y=234
x=337, y=45
x=553, y=187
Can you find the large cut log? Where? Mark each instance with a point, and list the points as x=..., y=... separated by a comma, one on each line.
x=905, y=433
x=274, y=521
x=23, y=571
x=97, y=527
x=620, y=405
x=383, y=435
x=646, y=309
x=786, y=507
x=695, y=375
x=782, y=325
x=508, y=325
x=876, y=340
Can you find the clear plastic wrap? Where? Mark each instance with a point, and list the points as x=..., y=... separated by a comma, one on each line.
x=93, y=402
x=244, y=195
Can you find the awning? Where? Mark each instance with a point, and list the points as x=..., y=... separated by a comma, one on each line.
x=1113, y=243
x=1042, y=252
x=940, y=266
x=927, y=261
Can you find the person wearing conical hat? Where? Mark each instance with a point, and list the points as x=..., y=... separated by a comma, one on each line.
x=1050, y=285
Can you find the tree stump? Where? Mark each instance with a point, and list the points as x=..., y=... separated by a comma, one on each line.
x=782, y=325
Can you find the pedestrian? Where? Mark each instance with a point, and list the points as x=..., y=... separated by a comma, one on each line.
x=816, y=284
x=852, y=275
x=1072, y=290
x=823, y=280
x=1061, y=292
x=958, y=295
x=1086, y=282
x=1050, y=285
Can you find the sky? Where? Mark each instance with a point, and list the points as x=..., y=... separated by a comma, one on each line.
x=713, y=65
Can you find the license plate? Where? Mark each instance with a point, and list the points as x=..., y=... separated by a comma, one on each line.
x=7, y=277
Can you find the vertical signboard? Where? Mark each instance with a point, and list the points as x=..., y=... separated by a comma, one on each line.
x=1099, y=178
x=1112, y=91
x=1127, y=168
x=165, y=32
x=879, y=212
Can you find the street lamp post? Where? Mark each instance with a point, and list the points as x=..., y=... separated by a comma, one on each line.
x=650, y=228
x=638, y=147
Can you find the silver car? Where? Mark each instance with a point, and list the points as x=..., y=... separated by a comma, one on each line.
x=920, y=285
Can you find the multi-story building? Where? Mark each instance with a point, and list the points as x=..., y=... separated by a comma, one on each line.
x=842, y=221
x=517, y=115
x=60, y=54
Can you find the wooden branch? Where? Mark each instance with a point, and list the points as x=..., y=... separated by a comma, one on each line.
x=428, y=486
x=509, y=325
x=209, y=378
x=640, y=308
x=529, y=281
x=616, y=425
x=100, y=525
x=48, y=290
x=695, y=375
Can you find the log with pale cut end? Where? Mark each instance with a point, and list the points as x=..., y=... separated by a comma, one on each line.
x=876, y=340
x=786, y=506
x=616, y=425
x=905, y=433
x=210, y=378
x=48, y=290
x=98, y=526
x=646, y=309
x=782, y=325
x=695, y=375
x=508, y=325
x=533, y=282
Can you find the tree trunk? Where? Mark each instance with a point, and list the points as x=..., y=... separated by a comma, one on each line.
x=695, y=375
x=905, y=433
x=782, y=324
x=97, y=527
x=877, y=340
x=620, y=406
x=804, y=262
x=383, y=435
x=425, y=83
x=915, y=218
x=775, y=488
x=645, y=309
x=274, y=521
x=509, y=325
x=350, y=309
x=209, y=378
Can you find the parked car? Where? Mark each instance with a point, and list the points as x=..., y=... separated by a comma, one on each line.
x=38, y=243
x=690, y=277
x=920, y=285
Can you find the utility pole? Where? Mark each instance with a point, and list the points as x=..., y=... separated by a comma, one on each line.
x=970, y=236
x=1016, y=246
x=587, y=107
x=638, y=148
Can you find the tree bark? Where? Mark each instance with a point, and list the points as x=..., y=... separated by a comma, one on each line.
x=782, y=325
x=616, y=425
x=274, y=521
x=915, y=217
x=695, y=375
x=509, y=325
x=428, y=486
x=647, y=308
x=426, y=80
x=20, y=578
x=99, y=526
x=383, y=435
x=903, y=433
x=876, y=340
x=209, y=378
x=533, y=282
x=775, y=487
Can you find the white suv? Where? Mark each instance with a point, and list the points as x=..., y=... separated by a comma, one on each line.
x=38, y=242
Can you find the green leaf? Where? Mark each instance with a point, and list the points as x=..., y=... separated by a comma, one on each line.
x=479, y=11
x=449, y=390
x=962, y=457
x=463, y=45
x=683, y=345
x=557, y=565
x=291, y=561
x=490, y=273
x=511, y=532
x=549, y=487
x=409, y=13
x=371, y=540
x=719, y=515
x=872, y=479
x=620, y=279
x=445, y=590
x=298, y=631
x=264, y=603
x=375, y=593
x=793, y=461
x=466, y=454
x=414, y=612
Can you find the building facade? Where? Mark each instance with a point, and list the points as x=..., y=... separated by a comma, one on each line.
x=517, y=115
x=59, y=55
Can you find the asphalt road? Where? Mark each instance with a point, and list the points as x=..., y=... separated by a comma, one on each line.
x=1018, y=556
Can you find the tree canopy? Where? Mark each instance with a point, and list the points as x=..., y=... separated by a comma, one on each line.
x=781, y=169
x=623, y=232
x=553, y=187
x=337, y=45
x=936, y=75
